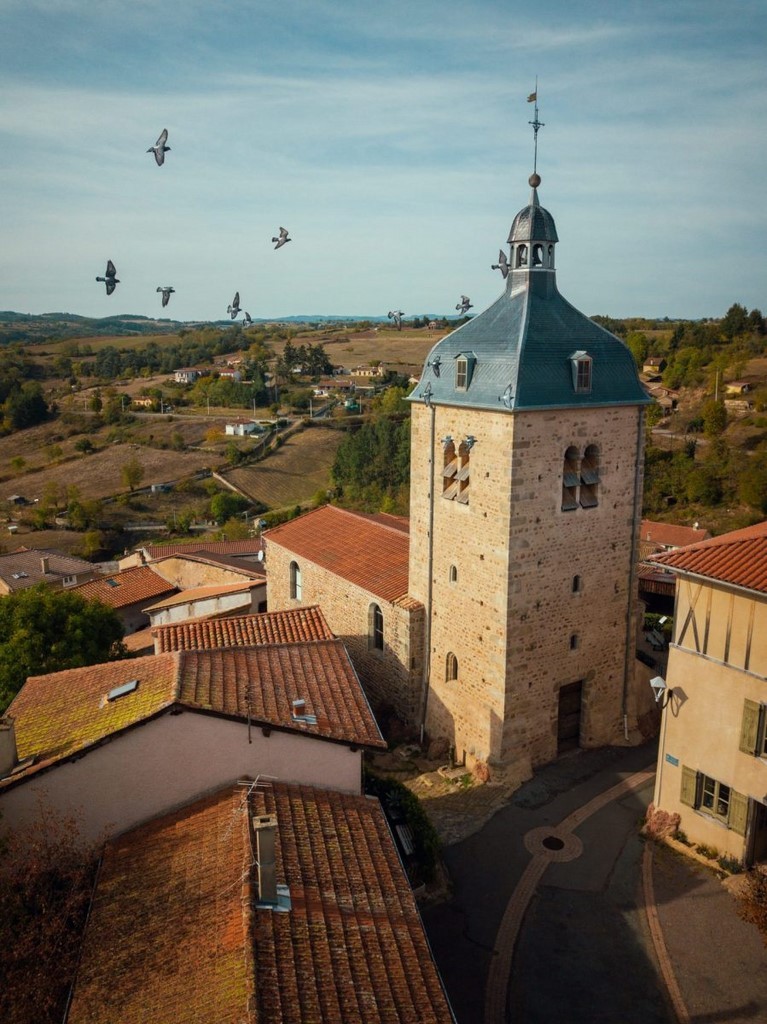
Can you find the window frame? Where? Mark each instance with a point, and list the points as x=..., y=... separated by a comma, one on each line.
x=582, y=367
x=375, y=627
x=695, y=785
x=296, y=581
x=451, y=668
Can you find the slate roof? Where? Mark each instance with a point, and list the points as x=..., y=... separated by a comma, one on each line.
x=738, y=558
x=361, y=549
x=520, y=347
x=65, y=713
x=294, y=625
x=24, y=567
x=129, y=587
x=175, y=933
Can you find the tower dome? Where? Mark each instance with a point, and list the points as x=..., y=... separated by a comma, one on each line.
x=533, y=223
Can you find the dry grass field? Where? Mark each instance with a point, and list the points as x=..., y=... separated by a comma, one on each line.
x=293, y=473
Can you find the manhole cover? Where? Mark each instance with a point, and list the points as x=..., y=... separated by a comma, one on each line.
x=553, y=843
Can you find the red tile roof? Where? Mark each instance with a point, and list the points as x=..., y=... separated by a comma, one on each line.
x=66, y=712
x=176, y=933
x=23, y=567
x=670, y=534
x=739, y=558
x=295, y=625
x=364, y=550
x=215, y=547
x=131, y=586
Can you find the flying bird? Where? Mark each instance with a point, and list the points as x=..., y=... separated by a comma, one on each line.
x=396, y=315
x=464, y=305
x=502, y=264
x=234, y=308
x=159, y=148
x=282, y=239
x=247, y=321
x=110, y=277
x=167, y=291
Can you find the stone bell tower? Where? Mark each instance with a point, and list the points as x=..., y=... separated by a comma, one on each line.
x=526, y=482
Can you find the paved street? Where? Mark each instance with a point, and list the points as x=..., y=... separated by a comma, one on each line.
x=547, y=919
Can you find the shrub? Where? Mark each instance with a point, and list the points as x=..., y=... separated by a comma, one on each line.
x=754, y=901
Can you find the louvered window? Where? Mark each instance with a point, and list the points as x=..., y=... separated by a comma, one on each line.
x=570, y=480
x=753, y=729
x=714, y=798
x=589, y=494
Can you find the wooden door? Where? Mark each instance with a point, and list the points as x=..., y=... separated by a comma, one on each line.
x=569, y=717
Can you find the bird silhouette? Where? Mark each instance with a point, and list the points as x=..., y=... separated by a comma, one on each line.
x=396, y=315
x=283, y=238
x=502, y=264
x=234, y=308
x=464, y=305
x=167, y=291
x=247, y=321
x=110, y=278
x=159, y=148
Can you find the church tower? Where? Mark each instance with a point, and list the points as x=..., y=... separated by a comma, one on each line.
x=526, y=483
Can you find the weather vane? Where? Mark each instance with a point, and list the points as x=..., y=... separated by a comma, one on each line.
x=537, y=125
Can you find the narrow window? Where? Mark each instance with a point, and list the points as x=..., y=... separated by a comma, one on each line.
x=295, y=581
x=449, y=470
x=451, y=668
x=537, y=255
x=551, y=256
x=577, y=584
x=462, y=476
x=570, y=479
x=453, y=574
x=461, y=373
x=375, y=628
x=580, y=364
x=575, y=642
x=589, y=495
x=521, y=255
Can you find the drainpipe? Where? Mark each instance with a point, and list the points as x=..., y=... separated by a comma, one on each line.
x=635, y=521
x=430, y=561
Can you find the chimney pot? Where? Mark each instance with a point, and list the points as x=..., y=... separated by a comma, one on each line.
x=265, y=827
x=45, y=563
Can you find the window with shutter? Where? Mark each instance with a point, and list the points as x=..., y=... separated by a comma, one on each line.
x=689, y=794
x=738, y=817
x=753, y=716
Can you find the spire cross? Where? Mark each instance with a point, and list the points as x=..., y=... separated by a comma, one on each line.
x=536, y=124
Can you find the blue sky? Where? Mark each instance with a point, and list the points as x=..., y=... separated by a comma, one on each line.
x=392, y=139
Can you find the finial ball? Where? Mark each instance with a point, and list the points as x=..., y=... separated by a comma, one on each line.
x=534, y=180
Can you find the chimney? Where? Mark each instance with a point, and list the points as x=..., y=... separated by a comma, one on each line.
x=44, y=564
x=265, y=827
x=9, y=758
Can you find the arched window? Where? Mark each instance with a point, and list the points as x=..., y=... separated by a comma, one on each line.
x=453, y=574
x=570, y=479
x=375, y=628
x=575, y=642
x=451, y=668
x=521, y=255
x=537, y=255
x=295, y=581
x=551, y=257
x=577, y=584
x=589, y=496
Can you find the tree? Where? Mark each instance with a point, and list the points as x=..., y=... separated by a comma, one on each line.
x=44, y=630
x=132, y=473
x=225, y=505
x=714, y=418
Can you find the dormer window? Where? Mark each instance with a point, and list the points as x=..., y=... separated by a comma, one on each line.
x=580, y=363
x=464, y=369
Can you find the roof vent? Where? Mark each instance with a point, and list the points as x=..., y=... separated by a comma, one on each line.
x=300, y=713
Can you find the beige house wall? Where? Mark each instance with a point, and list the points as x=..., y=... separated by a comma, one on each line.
x=242, y=603
x=186, y=574
x=391, y=677
x=510, y=615
x=718, y=661
x=168, y=762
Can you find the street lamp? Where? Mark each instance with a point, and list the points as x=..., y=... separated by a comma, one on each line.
x=661, y=691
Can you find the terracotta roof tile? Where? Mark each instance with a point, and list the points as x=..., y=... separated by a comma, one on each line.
x=295, y=625
x=739, y=558
x=63, y=713
x=362, y=549
x=216, y=547
x=670, y=534
x=131, y=586
x=175, y=932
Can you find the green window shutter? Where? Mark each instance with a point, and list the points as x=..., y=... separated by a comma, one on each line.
x=749, y=727
x=689, y=786
x=738, y=816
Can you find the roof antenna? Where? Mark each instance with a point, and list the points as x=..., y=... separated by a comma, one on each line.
x=537, y=125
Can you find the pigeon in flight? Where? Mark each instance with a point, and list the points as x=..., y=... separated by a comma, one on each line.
x=159, y=148
x=234, y=308
x=110, y=277
x=167, y=291
x=247, y=321
x=282, y=239
x=396, y=315
x=464, y=305
x=502, y=264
